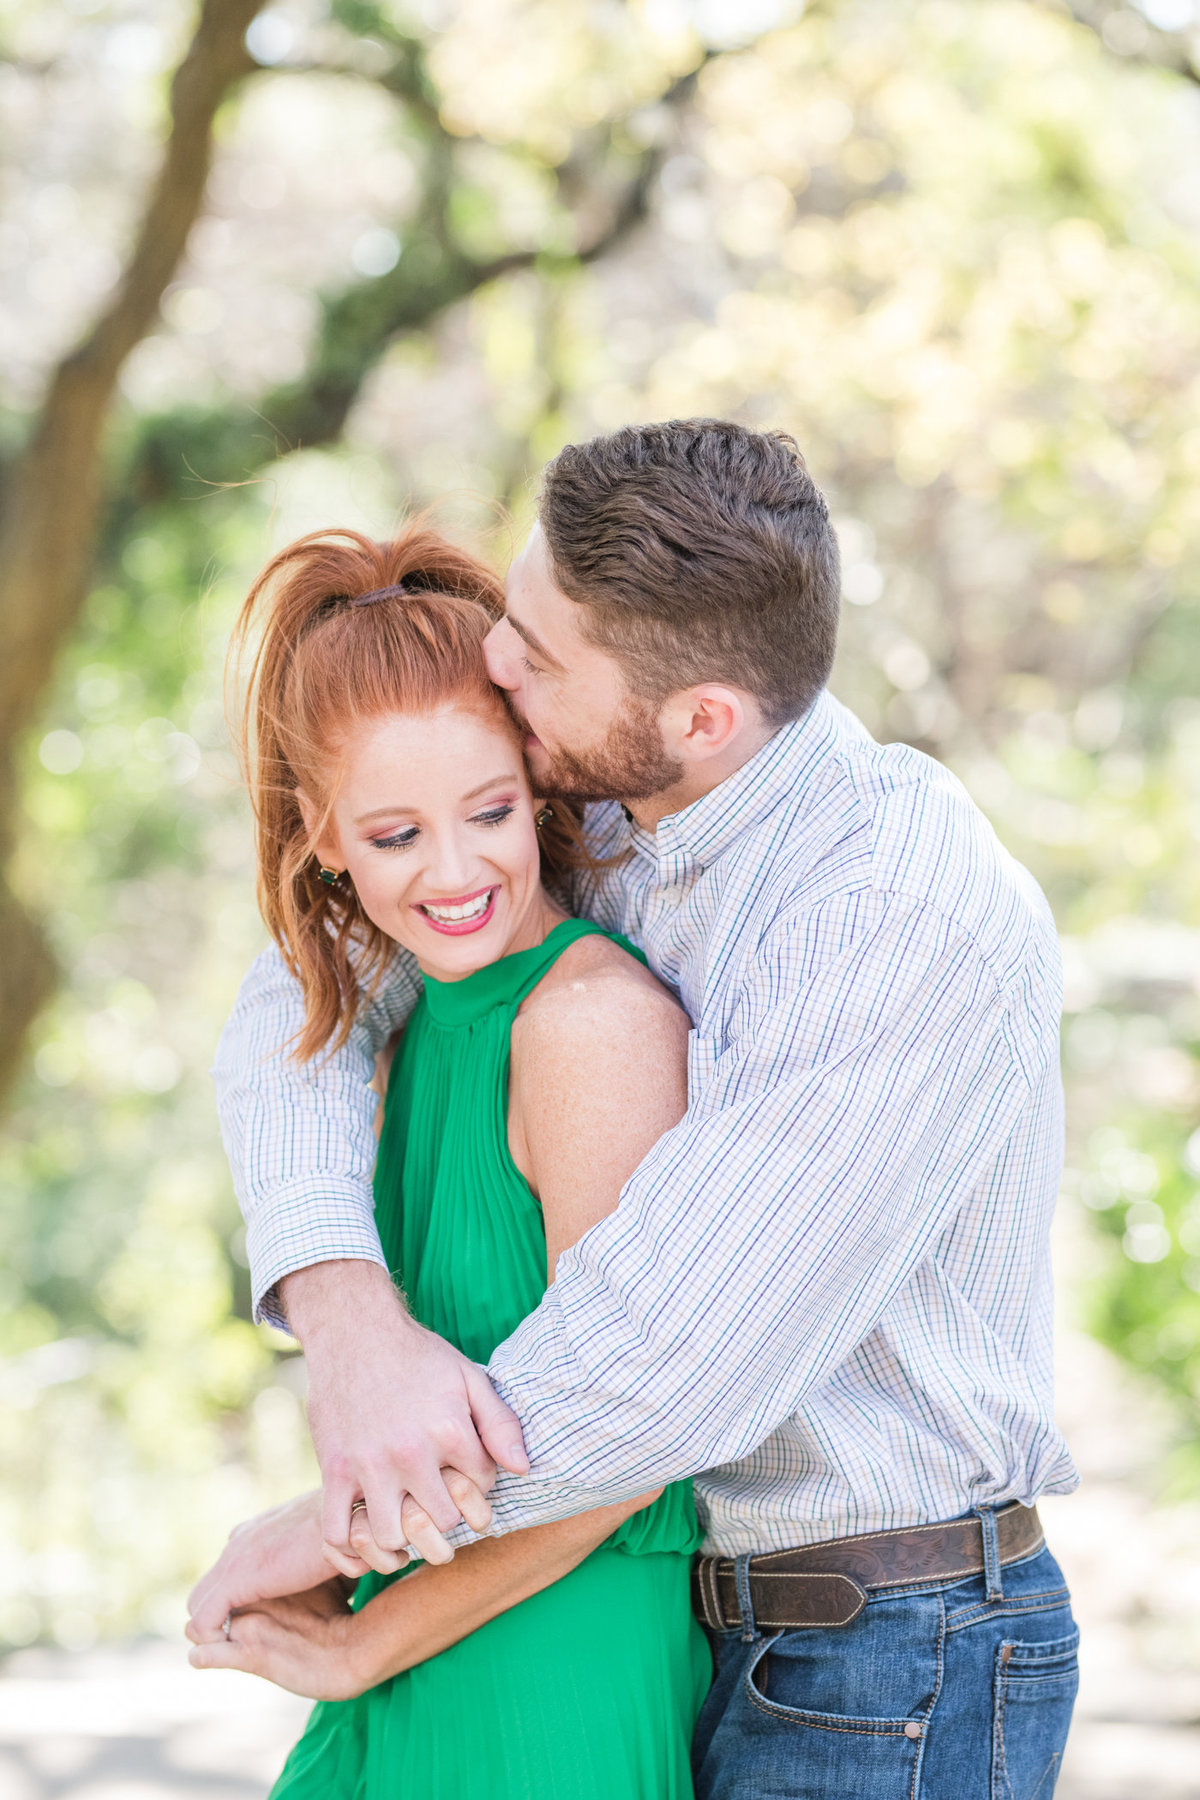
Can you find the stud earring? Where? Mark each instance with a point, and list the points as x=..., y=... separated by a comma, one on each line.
x=329, y=876
x=543, y=813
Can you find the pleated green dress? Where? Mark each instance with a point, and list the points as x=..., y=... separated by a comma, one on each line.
x=588, y=1690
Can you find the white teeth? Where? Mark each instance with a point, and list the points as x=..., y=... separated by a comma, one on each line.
x=453, y=915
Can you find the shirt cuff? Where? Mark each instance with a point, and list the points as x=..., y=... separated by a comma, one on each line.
x=298, y=1227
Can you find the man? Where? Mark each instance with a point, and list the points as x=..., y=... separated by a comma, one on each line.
x=827, y=1291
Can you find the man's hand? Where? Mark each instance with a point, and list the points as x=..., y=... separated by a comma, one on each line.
x=420, y=1533
x=279, y=1552
x=391, y=1407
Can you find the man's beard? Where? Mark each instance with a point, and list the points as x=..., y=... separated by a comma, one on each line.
x=629, y=763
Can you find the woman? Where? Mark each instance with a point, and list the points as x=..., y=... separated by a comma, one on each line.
x=541, y=1064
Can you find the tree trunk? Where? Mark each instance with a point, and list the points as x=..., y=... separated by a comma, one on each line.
x=53, y=490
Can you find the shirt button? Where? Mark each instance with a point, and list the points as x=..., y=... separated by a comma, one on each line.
x=912, y=1731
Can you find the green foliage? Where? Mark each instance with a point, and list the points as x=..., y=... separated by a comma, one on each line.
x=139, y=1406
x=1143, y=1185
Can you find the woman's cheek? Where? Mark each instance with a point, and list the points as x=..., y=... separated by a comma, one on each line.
x=379, y=898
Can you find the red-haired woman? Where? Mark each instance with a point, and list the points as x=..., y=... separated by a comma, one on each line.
x=542, y=1062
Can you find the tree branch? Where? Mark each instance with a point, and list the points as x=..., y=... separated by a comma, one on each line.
x=179, y=451
x=53, y=498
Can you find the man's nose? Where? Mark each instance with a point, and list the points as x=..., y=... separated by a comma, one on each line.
x=497, y=654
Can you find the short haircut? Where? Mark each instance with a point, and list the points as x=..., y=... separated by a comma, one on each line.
x=702, y=551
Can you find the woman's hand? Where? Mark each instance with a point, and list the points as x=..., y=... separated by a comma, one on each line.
x=279, y=1552
x=420, y=1532
x=310, y=1643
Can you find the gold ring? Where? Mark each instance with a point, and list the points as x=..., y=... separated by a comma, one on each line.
x=358, y=1506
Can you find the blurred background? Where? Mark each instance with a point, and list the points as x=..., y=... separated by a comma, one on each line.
x=319, y=263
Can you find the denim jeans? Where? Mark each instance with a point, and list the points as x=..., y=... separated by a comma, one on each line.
x=933, y=1693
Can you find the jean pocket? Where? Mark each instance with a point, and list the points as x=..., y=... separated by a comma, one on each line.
x=826, y=1754
x=1035, y=1688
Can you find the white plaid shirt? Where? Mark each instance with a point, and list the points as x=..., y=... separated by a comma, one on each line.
x=827, y=1291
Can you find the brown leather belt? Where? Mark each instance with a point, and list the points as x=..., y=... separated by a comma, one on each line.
x=826, y=1584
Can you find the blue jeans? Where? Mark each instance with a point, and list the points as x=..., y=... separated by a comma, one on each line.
x=932, y=1693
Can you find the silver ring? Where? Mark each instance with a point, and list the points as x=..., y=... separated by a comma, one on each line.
x=226, y=1626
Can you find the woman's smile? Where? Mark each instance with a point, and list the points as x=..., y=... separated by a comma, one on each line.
x=455, y=918
x=433, y=823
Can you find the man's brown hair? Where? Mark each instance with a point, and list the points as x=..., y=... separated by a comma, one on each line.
x=703, y=551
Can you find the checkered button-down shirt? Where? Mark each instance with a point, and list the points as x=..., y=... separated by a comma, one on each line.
x=826, y=1292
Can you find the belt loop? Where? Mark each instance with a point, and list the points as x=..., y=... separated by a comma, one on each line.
x=710, y=1597
x=991, y=1553
x=741, y=1576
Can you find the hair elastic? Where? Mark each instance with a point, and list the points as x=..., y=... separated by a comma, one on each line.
x=384, y=593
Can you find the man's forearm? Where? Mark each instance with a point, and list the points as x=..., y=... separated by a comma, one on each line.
x=390, y=1404
x=327, y=1304
x=300, y=1137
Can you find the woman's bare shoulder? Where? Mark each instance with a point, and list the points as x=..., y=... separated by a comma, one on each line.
x=595, y=981
x=599, y=1073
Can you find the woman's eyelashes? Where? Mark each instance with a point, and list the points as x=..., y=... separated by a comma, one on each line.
x=495, y=815
x=399, y=840
x=403, y=840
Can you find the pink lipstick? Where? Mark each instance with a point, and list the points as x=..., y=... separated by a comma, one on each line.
x=461, y=916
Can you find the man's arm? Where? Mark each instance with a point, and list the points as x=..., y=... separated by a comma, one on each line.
x=300, y=1136
x=384, y=1394
x=763, y=1238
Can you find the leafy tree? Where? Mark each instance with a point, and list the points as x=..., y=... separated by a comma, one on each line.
x=948, y=245
x=59, y=487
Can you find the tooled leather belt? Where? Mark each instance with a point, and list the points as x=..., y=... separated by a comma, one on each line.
x=826, y=1584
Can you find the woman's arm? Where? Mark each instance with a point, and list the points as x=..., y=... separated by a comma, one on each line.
x=312, y=1644
x=599, y=1073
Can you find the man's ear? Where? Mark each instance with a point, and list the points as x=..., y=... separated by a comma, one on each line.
x=706, y=721
x=322, y=838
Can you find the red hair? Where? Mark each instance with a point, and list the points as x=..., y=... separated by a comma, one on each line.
x=321, y=662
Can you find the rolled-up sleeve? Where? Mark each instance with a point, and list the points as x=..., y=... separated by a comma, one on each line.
x=300, y=1137
x=831, y=1136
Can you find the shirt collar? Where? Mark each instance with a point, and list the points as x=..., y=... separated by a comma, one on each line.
x=694, y=838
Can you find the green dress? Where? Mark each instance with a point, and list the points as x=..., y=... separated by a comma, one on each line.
x=589, y=1689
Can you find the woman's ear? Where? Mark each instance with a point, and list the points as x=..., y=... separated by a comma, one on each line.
x=322, y=838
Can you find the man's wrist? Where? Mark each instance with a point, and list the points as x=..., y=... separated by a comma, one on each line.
x=320, y=1299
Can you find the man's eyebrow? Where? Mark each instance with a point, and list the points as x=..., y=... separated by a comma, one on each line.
x=535, y=644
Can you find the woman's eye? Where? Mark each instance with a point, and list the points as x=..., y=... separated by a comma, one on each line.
x=526, y=664
x=495, y=815
x=400, y=840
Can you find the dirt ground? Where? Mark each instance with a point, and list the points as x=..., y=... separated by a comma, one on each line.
x=133, y=1722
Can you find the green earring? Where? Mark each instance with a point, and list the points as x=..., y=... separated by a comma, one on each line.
x=329, y=876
